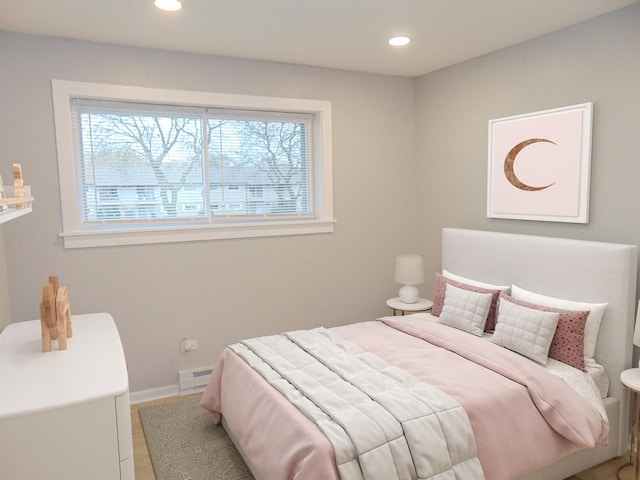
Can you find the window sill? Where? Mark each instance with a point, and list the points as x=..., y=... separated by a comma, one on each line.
x=88, y=239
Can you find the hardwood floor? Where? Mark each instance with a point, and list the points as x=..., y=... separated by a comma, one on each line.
x=607, y=471
x=144, y=469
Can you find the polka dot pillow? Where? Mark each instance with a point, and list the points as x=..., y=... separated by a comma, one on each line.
x=567, y=345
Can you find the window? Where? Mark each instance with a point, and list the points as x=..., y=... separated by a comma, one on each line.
x=141, y=165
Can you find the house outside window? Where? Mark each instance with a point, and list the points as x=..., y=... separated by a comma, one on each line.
x=147, y=204
x=147, y=168
x=108, y=205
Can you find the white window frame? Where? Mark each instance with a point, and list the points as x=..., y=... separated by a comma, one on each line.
x=64, y=91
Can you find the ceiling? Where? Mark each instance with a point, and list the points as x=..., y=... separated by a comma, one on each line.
x=344, y=34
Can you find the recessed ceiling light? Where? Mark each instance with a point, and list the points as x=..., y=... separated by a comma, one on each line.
x=169, y=5
x=399, y=41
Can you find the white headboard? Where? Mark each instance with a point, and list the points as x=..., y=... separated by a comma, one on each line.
x=573, y=269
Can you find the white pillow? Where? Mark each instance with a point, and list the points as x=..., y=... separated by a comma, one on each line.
x=524, y=330
x=465, y=310
x=475, y=283
x=592, y=326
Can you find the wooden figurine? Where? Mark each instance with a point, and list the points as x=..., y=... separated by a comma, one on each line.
x=48, y=322
x=55, y=315
x=63, y=314
x=18, y=184
x=20, y=199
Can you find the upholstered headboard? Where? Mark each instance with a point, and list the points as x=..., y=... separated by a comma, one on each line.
x=579, y=270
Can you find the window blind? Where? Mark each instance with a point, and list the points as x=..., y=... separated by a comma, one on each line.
x=144, y=164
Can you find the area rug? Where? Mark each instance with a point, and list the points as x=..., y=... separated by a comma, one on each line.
x=184, y=443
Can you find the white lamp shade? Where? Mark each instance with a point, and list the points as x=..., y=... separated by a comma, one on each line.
x=409, y=269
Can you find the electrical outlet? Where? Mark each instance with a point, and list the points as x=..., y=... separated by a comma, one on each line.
x=189, y=345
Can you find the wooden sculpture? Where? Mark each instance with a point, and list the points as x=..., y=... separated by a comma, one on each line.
x=20, y=198
x=55, y=315
x=18, y=184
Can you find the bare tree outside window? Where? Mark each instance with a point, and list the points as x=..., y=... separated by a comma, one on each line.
x=140, y=151
x=181, y=166
x=278, y=152
x=268, y=157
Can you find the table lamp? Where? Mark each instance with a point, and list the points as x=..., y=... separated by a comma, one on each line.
x=409, y=273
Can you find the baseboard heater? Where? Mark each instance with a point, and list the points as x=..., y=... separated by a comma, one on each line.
x=193, y=380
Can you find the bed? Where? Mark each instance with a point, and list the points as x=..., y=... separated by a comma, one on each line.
x=280, y=441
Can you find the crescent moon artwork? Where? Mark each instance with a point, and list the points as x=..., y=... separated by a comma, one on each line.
x=509, y=162
x=539, y=165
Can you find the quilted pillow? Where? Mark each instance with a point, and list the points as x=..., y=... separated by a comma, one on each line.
x=568, y=342
x=524, y=330
x=592, y=327
x=465, y=310
x=439, y=291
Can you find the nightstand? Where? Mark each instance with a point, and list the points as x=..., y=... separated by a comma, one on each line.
x=631, y=379
x=422, y=305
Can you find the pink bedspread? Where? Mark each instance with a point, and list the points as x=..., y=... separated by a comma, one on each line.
x=522, y=416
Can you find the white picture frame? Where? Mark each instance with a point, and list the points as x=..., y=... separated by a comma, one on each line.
x=550, y=181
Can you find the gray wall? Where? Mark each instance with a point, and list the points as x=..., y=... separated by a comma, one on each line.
x=219, y=291
x=597, y=61
x=410, y=157
x=5, y=310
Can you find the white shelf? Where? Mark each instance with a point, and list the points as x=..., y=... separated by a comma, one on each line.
x=11, y=211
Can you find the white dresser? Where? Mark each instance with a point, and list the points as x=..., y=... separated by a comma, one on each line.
x=65, y=414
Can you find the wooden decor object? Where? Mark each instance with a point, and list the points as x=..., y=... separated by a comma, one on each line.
x=18, y=184
x=55, y=315
x=20, y=198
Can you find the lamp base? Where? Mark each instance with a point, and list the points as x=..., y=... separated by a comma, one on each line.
x=409, y=294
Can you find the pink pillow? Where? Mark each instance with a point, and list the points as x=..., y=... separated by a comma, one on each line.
x=441, y=286
x=567, y=345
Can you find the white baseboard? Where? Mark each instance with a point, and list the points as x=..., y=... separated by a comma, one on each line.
x=153, y=394
x=195, y=385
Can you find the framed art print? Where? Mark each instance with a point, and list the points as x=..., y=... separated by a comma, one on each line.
x=539, y=165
